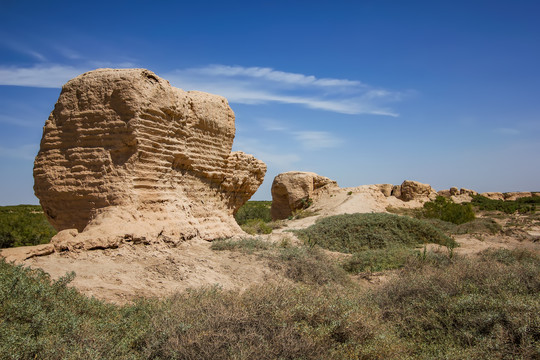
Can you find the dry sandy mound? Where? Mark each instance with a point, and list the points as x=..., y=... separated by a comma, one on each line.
x=131, y=271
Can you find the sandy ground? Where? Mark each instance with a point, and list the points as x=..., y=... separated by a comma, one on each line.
x=130, y=271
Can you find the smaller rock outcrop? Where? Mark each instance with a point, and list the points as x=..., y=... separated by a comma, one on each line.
x=293, y=190
x=493, y=195
x=396, y=191
x=516, y=195
x=386, y=189
x=411, y=190
x=469, y=192
x=444, y=193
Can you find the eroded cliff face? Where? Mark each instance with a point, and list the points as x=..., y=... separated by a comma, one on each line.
x=127, y=157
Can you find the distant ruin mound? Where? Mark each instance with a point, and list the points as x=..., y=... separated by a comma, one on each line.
x=127, y=157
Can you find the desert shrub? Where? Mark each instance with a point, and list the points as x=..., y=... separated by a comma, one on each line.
x=486, y=307
x=523, y=205
x=352, y=233
x=308, y=265
x=299, y=263
x=254, y=210
x=476, y=226
x=243, y=244
x=446, y=210
x=269, y=322
x=44, y=319
x=24, y=225
x=256, y=227
x=372, y=260
x=301, y=214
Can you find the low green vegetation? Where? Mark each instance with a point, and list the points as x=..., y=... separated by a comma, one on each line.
x=351, y=233
x=522, y=205
x=436, y=307
x=446, y=210
x=24, y=225
x=376, y=241
x=374, y=260
x=469, y=308
x=256, y=227
x=254, y=210
x=301, y=214
x=254, y=217
x=302, y=264
x=248, y=245
x=476, y=226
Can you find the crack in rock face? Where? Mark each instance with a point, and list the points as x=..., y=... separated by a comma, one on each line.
x=127, y=157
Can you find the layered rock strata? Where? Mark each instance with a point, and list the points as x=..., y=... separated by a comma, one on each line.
x=127, y=157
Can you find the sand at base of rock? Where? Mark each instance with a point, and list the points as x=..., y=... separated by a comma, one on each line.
x=130, y=271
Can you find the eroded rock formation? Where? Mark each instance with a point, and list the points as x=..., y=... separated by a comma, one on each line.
x=127, y=157
x=411, y=190
x=293, y=190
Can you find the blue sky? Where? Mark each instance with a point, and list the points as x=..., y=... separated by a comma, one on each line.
x=364, y=92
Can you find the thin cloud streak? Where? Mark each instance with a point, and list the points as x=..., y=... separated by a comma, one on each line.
x=52, y=76
x=239, y=85
x=273, y=75
x=253, y=85
x=275, y=159
x=25, y=152
x=314, y=140
x=22, y=49
x=5, y=119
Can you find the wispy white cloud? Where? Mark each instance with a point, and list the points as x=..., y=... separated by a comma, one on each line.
x=268, y=153
x=314, y=140
x=272, y=75
x=12, y=120
x=310, y=140
x=245, y=85
x=272, y=125
x=49, y=76
x=68, y=53
x=25, y=152
x=46, y=76
x=255, y=85
x=21, y=48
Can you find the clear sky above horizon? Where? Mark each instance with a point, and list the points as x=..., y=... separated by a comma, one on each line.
x=363, y=92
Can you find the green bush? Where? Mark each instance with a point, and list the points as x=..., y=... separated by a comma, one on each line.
x=446, y=210
x=523, y=205
x=351, y=233
x=254, y=210
x=372, y=260
x=308, y=265
x=244, y=244
x=24, y=225
x=299, y=263
x=483, y=308
x=256, y=227
x=476, y=226
x=44, y=319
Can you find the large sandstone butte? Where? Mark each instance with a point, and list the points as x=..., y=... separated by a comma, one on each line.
x=127, y=157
